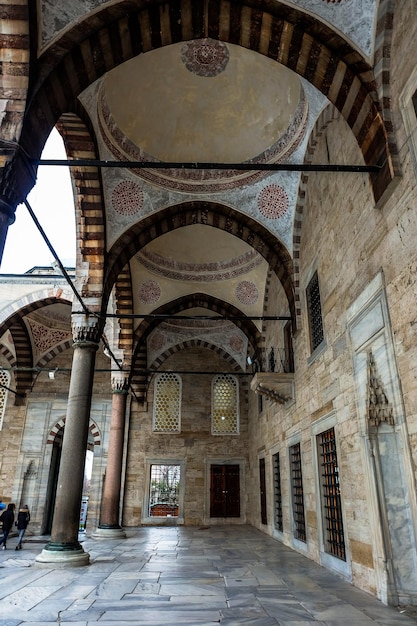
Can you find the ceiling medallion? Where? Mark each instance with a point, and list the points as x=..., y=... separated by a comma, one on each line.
x=127, y=198
x=205, y=57
x=273, y=201
x=247, y=292
x=149, y=292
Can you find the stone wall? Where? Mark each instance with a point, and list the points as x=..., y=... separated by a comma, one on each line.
x=194, y=445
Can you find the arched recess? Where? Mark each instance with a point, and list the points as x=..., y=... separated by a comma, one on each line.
x=89, y=206
x=209, y=214
x=290, y=36
x=23, y=346
x=197, y=300
x=59, y=426
x=193, y=344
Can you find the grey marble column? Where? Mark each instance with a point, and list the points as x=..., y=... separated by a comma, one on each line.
x=109, y=527
x=64, y=548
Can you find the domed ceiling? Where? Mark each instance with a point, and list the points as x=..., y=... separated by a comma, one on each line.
x=199, y=259
x=255, y=108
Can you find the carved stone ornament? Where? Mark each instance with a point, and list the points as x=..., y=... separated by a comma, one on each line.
x=379, y=408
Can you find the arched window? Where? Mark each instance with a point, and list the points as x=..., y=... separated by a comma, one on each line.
x=4, y=384
x=225, y=405
x=167, y=403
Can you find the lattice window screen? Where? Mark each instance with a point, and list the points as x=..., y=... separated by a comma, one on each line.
x=167, y=403
x=225, y=405
x=4, y=380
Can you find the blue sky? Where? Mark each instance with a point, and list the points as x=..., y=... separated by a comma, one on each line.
x=52, y=202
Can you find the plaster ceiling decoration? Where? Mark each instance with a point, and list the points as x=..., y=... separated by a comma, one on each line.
x=198, y=258
x=256, y=109
x=45, y=338
x=221, y=333
x=199, y=254
x=57, y=316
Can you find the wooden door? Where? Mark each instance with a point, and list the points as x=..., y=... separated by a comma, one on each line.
x=262, y=486
x=224, y=491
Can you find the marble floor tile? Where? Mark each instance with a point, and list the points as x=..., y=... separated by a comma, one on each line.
x=185, y=576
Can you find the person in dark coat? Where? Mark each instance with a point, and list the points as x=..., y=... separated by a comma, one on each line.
x=7, y=518
x=23, y=519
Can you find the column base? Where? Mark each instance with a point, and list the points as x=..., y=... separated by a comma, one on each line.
x=109, y=533
x=63, y=555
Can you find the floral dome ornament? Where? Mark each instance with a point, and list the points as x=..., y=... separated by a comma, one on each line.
x=149, y=292
x=127, y=198
x=273, y=201
x=205, y=57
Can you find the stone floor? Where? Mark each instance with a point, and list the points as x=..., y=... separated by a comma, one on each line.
x=183, y=576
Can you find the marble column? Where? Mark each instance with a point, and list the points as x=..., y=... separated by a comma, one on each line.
x=7, y=217
x=109, y=526
x=64, y=548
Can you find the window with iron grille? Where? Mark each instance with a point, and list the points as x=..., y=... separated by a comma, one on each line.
x=334, y=541
x=225, y=405
x=297, y=493
x=164, y=487
x=4, y=384
x=314, y=312
x=167, y=403
x=277, y=493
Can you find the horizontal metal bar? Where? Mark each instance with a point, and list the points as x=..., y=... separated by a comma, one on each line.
x=267, y=167
x=162, y=316
x=134, y=371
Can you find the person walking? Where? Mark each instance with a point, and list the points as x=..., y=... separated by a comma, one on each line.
x=7, y=518
x=23, y=519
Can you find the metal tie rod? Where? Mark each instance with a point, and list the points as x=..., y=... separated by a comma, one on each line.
x=267, y=167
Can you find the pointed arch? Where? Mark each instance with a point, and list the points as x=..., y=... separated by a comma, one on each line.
x=283, y=33
x=209, y=214
x=89, y=205
x=197, y=300
x=56, y=432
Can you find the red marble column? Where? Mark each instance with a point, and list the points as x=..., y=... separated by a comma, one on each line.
x=109, y=526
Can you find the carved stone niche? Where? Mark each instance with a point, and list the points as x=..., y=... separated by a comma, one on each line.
x=276, y=386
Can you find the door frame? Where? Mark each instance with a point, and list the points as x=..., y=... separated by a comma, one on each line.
x=242, y=484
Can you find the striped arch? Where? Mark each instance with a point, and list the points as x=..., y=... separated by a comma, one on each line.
x=382, y=70
x=89, y=205
x=197, y=300
x=7, y=355
x=192, y=344
x=328, y=115
x=293, y=38
x=24, y=359
x=23, y=346
x=195, y=343
x=209, y=214
x=32, y=302
x=124, y=305
x=65, y=345
x=55, y=434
